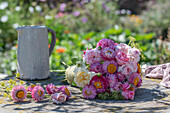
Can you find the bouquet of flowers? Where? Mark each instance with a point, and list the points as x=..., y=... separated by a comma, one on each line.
x=109, y=71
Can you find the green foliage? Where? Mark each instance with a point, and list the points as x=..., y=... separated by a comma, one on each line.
x=115, y=95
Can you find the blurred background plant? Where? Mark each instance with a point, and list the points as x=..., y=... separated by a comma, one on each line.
x=78, y=23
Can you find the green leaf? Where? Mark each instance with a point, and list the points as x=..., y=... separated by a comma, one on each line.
x=92, y=45
x=74, y=84
x=81, y=88
x=74, y=60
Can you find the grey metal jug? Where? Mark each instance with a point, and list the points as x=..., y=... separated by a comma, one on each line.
x=33, y=52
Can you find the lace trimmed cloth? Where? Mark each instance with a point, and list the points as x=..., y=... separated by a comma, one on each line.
x=159, y=71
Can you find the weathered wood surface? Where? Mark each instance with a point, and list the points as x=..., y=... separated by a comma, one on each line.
x=151, y=97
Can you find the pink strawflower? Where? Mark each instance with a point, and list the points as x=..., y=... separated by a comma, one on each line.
x=100, y=83
x=58, y=98
x=106, y=43
x=38, y=93
x=89, y=92
x=135, y=79
x=92, y=56
x=125, y=86
x=121, y=77
x=30, y=88
x=51, y=89
x=112, y=80
x=107, y=53
x=18, y=93
x=109, y=67
x=122, y=58
x=96, y=67
x=126, y=69
x=65, y=90
x=122, y=47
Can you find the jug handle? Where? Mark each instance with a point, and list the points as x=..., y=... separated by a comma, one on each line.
x=53, y=41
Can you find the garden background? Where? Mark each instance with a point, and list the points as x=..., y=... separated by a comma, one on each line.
x=80, y=24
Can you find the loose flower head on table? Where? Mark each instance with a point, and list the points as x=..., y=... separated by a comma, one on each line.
x=110, y=71
x=18, y=92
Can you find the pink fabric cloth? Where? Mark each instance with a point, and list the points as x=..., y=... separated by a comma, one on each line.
x=160, y=71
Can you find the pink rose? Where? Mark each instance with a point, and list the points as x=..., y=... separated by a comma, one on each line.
x=122, y=58
x=135, y=79
x=123, y=47
x=131, y=94
x=126, y=69
x=58, y=98
x=125, y=86
x=106, y=43
x=128, y=94
x=133, y=63
x=92, y=56
x=134, y=54
x=125, y=94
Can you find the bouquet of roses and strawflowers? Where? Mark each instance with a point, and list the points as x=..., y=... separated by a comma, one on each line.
x=110, y=71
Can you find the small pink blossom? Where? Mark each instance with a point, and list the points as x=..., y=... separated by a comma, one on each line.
x=66, y=91
x=100, y=83
x=128, y=94
x=125, y=94
x=134, y=55
x=126, y=69
x=58, y=98
x=96, y=67
x=131, y=95
x=92, y=56
x=109, y=66
x=121, y=77
x=112, y=80
x=117, y=87
x=122, y=58
x=89, y=92
x=106, y=43
x=122, y=47
x=18, y=93
x=38, y=93
x=107, y=53
x=125, y=86
x=135, y=79
x=51, y=89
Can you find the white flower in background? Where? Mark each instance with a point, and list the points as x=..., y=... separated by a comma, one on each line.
x=4, y=18
x=3, y=5
x=47, y=17
x=38, y=8
x=8, y=12
x=18, y=8
x=31, y=9
x=15, y=25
